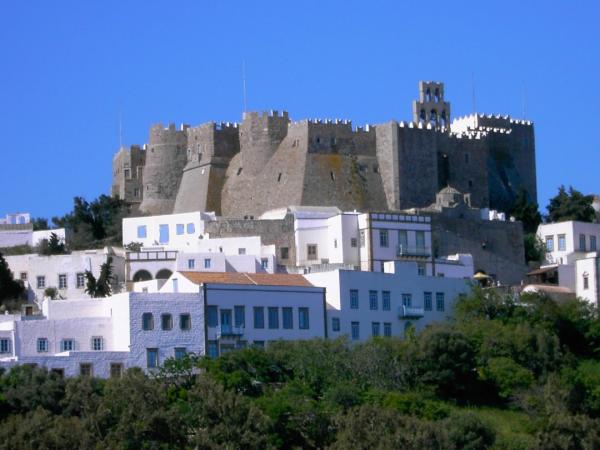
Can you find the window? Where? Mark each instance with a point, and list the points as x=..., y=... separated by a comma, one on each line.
x=166, y=322
x=582, y=242
x=439, y=301
x=311, y=251
x=385, y=300
x=353, y=298
x=4, y=345
x=407, y=300
x=303, y=323
x=421, y=269
x=213, y=349
x=335, y=323
x=375, y=328
x=163, y=234
x=361, y=236
x=241, y=251
x=592, y=243
x=179, y=229
x=387, y=329
x=62, y=281
x=147, y=321
x=141, y=231
x=586, y=281
x=549, y=243
x=335, y=243
x=116, y=370
x=207, y=263
x=86, y=370
x=259, y=317
x=420, y=236
x=127, y=173
x=383, y=238
x=42, y=345
x=191, y=228
x=185, y=322
x=23, y=276
x=288, y=318
x=562, y=243
x=353, y=242
x=180, y=353
x=67, y=345
x=427, y=301
x=355, y=330
x=97, y=343
x=152, y=358
x=191, y=263
x=273, y=317
x=264, y=263
x=136, y=192
x=373, y=301
x=80, y=280
x=284, y=252
x=175, y=282
x=212, y=316
x=403, y=240
x=41, y=282
x=239, y=313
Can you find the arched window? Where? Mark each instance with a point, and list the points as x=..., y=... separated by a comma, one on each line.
x=433, y=118
x=443, y=119
x=163, y=274
x=437, y=94
x=428, y=95
x=142, y=275
x=423, y=115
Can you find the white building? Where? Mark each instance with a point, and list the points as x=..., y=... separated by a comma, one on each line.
x=571, y=259
x=171, y=231
x=254, y=308
x=66, y=273
x=13, y=235
x=364, y=304
x=102, y=337
x=16, y=219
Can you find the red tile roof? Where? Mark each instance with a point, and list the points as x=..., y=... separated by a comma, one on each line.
x=262, y=279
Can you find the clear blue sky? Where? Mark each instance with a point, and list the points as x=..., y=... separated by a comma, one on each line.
x=69, y=67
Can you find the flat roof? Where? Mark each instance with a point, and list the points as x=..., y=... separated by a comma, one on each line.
x=260, y=279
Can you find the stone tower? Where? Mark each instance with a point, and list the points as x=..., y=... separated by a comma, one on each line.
x=166, y=157
x=260, y=136
x=431, y=107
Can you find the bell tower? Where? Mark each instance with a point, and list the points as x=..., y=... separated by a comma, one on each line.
x=431, y=107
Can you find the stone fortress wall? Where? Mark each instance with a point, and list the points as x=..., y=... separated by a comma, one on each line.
x=269, y=161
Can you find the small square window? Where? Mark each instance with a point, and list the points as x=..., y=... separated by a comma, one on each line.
x=353, y=298
x=152, y=358
x=179, y=229
x=41, y=282
x=116, y=370
x=241, y=251
x=373, y=300
x=86, y=370
x=180, y=353
x=191, y=228
x=97, y=343
x=355, y=331
x=439, y=301
x=207, y=263
x=421, y=269
x=353, y=242
x=284, y=252
x=42, y=345
x=383, y=238
x=185, y=322
x=191, y=263
x=166, y=322
x=4, y=345
x=387, y=329
x=386, y=300
x=80, y=280
x=141, y=231
x=375, y=329
x=427, y=301
x=67, y=345
x=23, y=276
x=311, y=251
x=147, y=321
x=62, y=281
x=335, y=324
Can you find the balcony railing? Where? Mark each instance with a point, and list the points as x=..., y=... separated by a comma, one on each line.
x=406, y=312
x=229, y=331
x=152, y=255
x=407, y=250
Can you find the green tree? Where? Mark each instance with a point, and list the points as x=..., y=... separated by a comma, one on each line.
x=526, y=212
x=100, y=287
x=571, y=205
x=535, y=250
x=52, y=246
x=51, y=293
x=11, y=291
x=40, y=223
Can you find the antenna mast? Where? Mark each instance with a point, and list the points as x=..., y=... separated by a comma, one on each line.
x=120, y=130
x=473, y=89
x=244, y=83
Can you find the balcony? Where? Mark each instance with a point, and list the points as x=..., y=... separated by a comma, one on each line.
x=412, y=251
x=406, y=312
x=229, y=332
x=161, y=255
